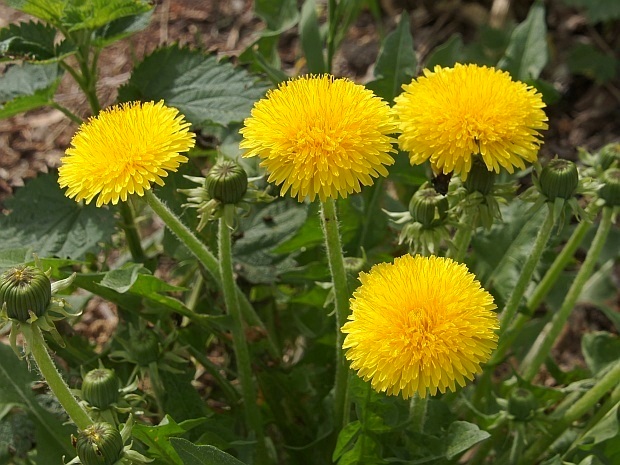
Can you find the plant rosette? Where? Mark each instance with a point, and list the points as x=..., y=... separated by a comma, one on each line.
x=226, y=183
x=28, y=297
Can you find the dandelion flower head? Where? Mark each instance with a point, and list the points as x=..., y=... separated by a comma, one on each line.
x=123, y=150
x=320, y=136
x=421, y=323
x=449, y=115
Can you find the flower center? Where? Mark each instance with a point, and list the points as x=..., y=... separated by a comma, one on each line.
x=420, y=326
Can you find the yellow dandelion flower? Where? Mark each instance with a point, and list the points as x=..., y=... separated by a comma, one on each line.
x=450, y=115
x=419, y=323
x=320, y=136
x=123, y=150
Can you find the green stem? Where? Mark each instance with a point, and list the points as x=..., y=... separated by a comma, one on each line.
x=335, y=258
x=543, y=287
x=528, y=270
x=242, y=354
x=131, y=232
x=368, y=219
x=574, y=413
x=545, y=340
x=560, y=262
x=38, y=348
x=206, y=258
x=417, y=413
x=68, y=113
x=462, y=238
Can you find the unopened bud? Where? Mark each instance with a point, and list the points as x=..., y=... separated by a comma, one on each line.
x=227, y=182
x=25, y=289
x=99, y=444
x=559, y=178
x=428, y=207
x=100, y=388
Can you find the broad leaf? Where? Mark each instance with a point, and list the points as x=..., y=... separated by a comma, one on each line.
x=204, y=90
x=600, y=349
x=52, y=438
x=461, y=436
x=192, y=454
x=396, y=64
x=155, y=438
x=74, y=15
x=527, y=52
x=33, y=42
x=586, y=59
x=44, y=219
x=121, y=28
x=28, y=86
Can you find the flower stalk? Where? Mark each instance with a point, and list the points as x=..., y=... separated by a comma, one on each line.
x=329, y=220
x=206, y=258
x=545, y=340
x=34, y=339
x=131, y=232
x=242, y=354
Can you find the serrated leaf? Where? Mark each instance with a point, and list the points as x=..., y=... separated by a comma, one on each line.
x=396, y=64
x=155, y=438
x=33, y=42
x=527, y=53
x=280, y=15
x=598, y=10
x=43, y=219
x=446, y=54
x=74, y=15
x=28, y=86
x=203, y=89
x=192, y=454
x=52, y=437
x=461, y=436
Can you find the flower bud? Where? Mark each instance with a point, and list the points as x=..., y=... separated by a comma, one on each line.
x=144, y=347
x=559, y=178
x=522, y=404
x=25, y=289
x=227, y=182
x=99, y=444
x=427, y=206
x=479, y=178
x=609, y=154
x=100, y=388
x=610, y=190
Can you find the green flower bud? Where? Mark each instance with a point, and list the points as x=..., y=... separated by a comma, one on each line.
x=25, y=289
x=99, y=444
x=479, y=178
x=522, y=404
x=227, y=182
x=428, y=207
x=100, y=388
x=610, y=190
x=609, y=154
x=559, y=178
x=144, y=347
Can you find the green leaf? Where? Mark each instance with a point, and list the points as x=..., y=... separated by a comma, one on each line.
x=280, y=15
x=155, y=438
x=598, y=10
x=121, y=28
x=52, y=437
x=446, y=54
x=192, y=454
x=44, y=219
x=32, y=41
x=600, y=349
x=310, y=38
x=123, y=278
x=346, y=438
x=588, y=60
x=204, y=90
x=74, y=15
x=396, y=64
x=461, y=436
x=527, y=53
x=607, y=428
x=28, y=86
